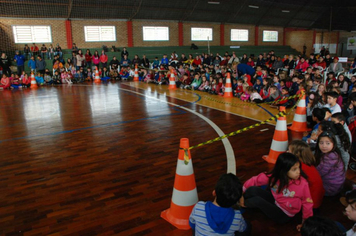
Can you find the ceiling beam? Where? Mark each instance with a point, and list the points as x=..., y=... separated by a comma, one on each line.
x=70, y=6
x=265, y=13
x=35, y=3
x=185, y=17
x=301, y=8
x=136, y=11
x=237, y=13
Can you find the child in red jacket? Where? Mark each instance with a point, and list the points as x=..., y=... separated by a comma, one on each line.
x=302, y=150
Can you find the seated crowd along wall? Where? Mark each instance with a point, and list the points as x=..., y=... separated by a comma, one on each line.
x=152, y=52
x=221, y=34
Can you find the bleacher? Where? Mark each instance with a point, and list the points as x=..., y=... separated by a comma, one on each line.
x=152, y=52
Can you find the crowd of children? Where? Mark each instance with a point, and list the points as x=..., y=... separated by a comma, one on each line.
x=312, y=168
x=295, y=184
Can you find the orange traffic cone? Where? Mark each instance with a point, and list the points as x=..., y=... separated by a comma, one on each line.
x=97, y=77
x=185, y=194
x=228, y=87
x=300, y=117
x=136, y=74
x=280, y=139
x=33, y=81
x=172, y=81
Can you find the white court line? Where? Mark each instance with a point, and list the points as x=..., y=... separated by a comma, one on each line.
x=230, y=155
x=218, y=109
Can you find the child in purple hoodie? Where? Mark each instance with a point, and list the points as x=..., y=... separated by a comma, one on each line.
x=218, y=217
x=330, y=165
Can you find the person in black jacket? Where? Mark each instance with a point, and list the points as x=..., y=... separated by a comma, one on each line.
x=5, y=63
x=124, y=53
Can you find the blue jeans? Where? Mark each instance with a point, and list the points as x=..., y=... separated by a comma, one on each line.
x=49, y=55
x=58, y=53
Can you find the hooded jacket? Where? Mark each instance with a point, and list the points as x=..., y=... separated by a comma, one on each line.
x=209, y=219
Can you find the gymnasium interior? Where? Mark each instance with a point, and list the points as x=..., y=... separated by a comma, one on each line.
x=101, y=158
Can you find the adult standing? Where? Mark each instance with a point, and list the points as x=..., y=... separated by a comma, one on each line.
x=41, y=65
x=80, y=59
x=5, y=63
x=20, y=62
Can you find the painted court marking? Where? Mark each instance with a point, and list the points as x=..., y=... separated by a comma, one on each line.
x=230, y=155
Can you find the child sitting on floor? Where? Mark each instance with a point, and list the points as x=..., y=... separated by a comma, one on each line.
x=5, y=82
x=16, y=83
x=255, y=96
x=286, y=194
x=39, y=79
x=246, y=94
x=56, y=78
x=274, y=94
x=26, y=81
x=218, y=217
x=47, y=77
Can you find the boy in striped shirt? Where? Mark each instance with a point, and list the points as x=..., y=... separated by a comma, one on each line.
x=218, y=217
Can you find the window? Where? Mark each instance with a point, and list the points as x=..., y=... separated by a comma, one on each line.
x=202, y=34
x=151, y=33
x=239, y=35
x=270, y=36
x=32, y=34
x=100, y=33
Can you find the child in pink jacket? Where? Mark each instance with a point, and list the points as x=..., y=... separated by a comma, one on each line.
x=286, y=194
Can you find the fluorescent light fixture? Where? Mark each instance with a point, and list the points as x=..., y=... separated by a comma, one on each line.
x=253, y=6
x=212, y=2
x=286, y=11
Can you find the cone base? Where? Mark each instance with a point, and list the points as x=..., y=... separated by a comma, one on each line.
x=172, y=87
x=97, y=81
x=228, y=95
x=179, y=223
x=269, y=159
x=136, y=80
x=301, y=129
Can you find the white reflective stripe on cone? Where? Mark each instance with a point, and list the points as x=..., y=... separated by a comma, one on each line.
x=172, y=82
x=301, y=103
x=300, y=118
x=281, y=125
x=228, y=90
x=183, y=169
x=279, y=146
x=228, y=80
x=184, y=198
x=33, y=82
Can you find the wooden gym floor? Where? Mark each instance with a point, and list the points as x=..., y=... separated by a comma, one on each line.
x=101, y=159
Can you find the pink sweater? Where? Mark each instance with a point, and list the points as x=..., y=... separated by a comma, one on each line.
x=291, y=199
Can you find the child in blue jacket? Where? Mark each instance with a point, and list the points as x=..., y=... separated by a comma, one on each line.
x=218, y=217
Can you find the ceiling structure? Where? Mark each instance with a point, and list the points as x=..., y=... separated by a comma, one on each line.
x=306, y=14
